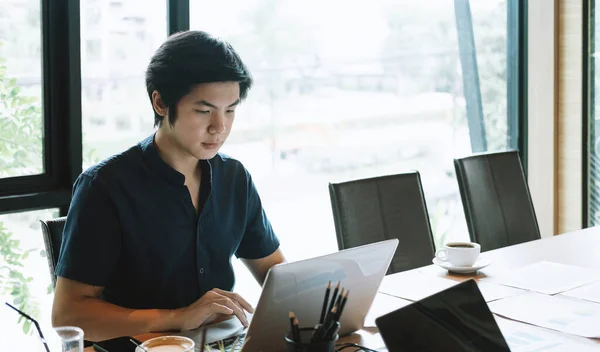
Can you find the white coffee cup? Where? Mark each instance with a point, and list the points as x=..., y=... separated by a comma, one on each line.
x=168, y=344
x=459, y=253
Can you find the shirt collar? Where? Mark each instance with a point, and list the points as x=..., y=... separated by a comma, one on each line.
x=157, y=164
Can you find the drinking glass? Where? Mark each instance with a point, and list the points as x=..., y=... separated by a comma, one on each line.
x=71, y=338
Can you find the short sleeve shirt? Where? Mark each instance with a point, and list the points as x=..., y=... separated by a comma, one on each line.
x=132, y=228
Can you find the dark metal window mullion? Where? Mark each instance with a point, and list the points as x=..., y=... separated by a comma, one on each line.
x=178, y=16
x=62, y=92
x=516, y=77
x=590, y=161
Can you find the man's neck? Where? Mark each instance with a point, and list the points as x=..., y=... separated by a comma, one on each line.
x=174, y=157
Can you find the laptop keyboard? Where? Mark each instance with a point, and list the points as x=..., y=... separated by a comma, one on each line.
x=228, y=344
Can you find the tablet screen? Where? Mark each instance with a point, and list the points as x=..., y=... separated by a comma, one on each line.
x=456, y=319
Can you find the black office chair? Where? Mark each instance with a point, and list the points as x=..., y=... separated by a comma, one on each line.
x=380, y=208
x=496, y=199
x=53, y=231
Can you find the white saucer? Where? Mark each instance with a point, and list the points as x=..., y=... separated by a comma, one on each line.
x=479, y=264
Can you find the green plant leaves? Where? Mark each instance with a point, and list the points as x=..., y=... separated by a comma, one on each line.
x=21, y=131
x=12, y=279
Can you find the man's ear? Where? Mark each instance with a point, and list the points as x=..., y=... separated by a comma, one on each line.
x=158, y=104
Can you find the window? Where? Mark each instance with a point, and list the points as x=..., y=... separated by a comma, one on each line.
x=593, y=126
x=346, y=90
x=118, y=38
x=24, y=277
x=21, y=128
x=343, y=90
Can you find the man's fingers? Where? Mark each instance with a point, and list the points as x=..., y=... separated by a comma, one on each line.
x=220, y=308
x=239, y=299
x=235, y=308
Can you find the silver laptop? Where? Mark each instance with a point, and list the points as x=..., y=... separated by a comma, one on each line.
x=300, y=287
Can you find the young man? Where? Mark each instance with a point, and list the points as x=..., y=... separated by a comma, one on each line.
x=151, y=231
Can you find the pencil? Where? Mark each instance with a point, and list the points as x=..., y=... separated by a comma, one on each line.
x=203, y=340
x=292, y=329
x=325, y=301
x=314, y=334
x=297, y=331
x=334, y=297
x=332, y=331
x=342, y=305
x=338, y=301
x=326, y=325
x=329, y=318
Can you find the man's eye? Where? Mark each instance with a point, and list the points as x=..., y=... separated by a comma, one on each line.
x=230, y=111
x=204, y=112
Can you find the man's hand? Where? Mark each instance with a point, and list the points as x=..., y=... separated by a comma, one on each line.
x=209, y=307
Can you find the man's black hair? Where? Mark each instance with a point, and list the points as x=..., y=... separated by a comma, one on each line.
x=189, y=58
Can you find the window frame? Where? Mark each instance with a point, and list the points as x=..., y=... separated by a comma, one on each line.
x=516, y=72
x=587, y=105
x=62, y=113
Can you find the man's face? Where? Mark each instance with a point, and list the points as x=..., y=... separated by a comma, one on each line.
x=204, y=118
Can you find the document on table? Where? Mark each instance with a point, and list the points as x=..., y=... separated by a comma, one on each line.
x=527, y=338
x=589, y=292
x=492, y=292
x=546, y=277
x=382, y=305
x=416, y=286
x=559, y=313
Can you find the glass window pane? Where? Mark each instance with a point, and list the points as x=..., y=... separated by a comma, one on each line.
x=117, y=40
x=21, y=132
x=347, y=90
x=24, y=277
x=594, y=122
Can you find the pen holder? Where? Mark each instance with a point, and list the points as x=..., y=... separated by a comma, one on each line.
x=307, y=346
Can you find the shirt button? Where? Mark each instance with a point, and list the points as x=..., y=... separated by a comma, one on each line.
x=201, y=270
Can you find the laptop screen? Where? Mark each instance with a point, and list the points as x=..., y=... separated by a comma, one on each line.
x=456, y=319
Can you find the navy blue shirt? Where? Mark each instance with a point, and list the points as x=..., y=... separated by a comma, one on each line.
x=132, y=228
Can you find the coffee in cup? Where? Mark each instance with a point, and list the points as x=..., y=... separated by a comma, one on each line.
x=168, y=344
x=460, y=254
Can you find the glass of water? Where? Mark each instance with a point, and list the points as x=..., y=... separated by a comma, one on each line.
x=70, y=337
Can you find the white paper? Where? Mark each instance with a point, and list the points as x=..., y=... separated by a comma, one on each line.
x=589, y=292
x=527, y=338
x=414, y=286
x=382, y=305
x=559, y=313
x=546, y=277
x=492, y=292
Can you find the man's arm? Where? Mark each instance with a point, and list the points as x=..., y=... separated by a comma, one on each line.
x=78, y=304
x=260, y=267
x=259, y=249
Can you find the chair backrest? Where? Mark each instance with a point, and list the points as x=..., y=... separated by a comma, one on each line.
x=53, y=231
x=496, y=199
x=381, y=208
